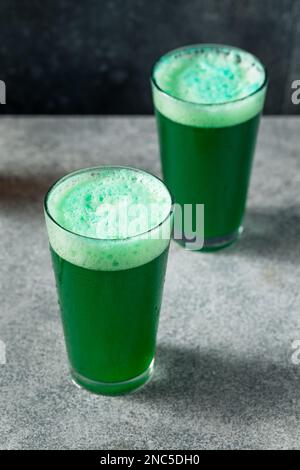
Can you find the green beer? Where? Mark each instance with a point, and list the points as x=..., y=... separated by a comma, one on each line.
x=208, y=100
x=109, y=254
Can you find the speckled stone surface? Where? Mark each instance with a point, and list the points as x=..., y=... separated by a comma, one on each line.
x=224, y=376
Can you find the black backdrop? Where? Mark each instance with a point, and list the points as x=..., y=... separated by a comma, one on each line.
x=95, y=56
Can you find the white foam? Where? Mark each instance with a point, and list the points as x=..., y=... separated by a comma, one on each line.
x=108, y=254
x=181, y=103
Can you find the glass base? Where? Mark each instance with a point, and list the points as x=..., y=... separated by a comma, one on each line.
x=217, y=243
x=113, y=388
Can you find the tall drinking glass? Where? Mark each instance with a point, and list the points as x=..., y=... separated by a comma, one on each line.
x=109, y=232
x=208, y=99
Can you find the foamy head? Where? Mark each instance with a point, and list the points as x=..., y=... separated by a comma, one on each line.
x=209, y=85
x=109, y=218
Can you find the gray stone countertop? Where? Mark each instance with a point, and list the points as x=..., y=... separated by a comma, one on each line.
x=225, y=375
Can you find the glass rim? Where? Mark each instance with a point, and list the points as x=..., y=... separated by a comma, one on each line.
x=207, y=45
x=93, y=168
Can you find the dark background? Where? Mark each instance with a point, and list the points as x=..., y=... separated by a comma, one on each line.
x=95, y=56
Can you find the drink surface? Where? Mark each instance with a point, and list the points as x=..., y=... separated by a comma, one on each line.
x=82, y=203
x=209, y=74
x=100, y=217
x=228, y=78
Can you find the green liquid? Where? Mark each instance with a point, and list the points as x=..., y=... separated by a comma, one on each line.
x=110, y=319
x=209, y=166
